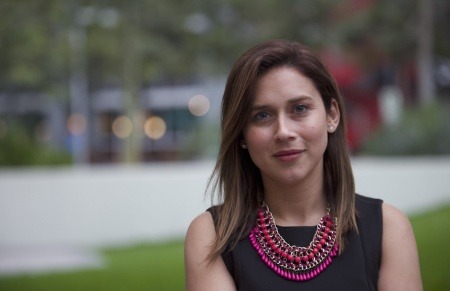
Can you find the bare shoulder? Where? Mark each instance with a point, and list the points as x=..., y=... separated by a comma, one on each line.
x=200, y=273
x=399, y=268
x=199, y=238
x=202, y=226
x=201, y=221
x=395, y=219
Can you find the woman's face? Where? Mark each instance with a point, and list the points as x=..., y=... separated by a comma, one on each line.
x=286, y=135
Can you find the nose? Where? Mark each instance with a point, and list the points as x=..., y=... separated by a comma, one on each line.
x=284, y=129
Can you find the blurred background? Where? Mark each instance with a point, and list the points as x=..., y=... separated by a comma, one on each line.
x=109, y=125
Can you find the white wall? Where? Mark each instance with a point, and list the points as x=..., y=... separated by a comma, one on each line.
x=101, y=206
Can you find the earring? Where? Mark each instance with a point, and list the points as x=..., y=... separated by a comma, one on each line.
x=243, y=146
x=330, y=128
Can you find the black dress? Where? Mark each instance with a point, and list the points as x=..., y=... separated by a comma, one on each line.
x=355, y=269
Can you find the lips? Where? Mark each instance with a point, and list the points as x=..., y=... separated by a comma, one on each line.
x=287, y=155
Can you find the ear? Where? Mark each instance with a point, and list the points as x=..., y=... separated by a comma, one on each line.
x=333, y=116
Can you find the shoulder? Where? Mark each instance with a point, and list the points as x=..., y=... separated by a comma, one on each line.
x=397, y=230
x=400, y=261
x=396, y=226
x=200, y=273
x=393, y=218
x=200, y=231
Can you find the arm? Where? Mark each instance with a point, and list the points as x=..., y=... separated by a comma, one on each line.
x=399, y=268
x=200, y=274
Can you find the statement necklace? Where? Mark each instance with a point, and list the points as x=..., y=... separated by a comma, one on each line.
x=290, y=261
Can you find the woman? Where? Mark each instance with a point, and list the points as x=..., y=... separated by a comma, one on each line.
x=289, y=217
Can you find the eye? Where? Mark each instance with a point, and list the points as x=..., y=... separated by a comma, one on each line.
x=301, y=109
x=261, y=116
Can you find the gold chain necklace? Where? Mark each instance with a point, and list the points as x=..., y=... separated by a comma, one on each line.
x=290, y=261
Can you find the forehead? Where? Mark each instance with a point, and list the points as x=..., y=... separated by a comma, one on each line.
x=281, y=83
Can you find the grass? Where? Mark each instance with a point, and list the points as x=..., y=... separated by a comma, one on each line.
x=145, y=267
x=432, y=230
x=159, y=267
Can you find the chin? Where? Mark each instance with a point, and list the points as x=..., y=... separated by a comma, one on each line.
x=290, y=178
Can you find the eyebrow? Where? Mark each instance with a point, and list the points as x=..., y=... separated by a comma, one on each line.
x=290, y=101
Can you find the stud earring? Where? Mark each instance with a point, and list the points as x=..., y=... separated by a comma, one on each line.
x=243, y=146
x=330, y=128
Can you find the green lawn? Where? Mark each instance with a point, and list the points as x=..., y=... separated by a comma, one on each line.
x=432, y=232
x=159, y=267
x=147, y=267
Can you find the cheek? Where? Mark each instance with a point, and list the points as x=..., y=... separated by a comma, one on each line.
x=315, y=133
x=254, y=137
x=257, y=142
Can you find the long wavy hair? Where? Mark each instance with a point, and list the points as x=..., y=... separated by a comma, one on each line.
x=236, y=182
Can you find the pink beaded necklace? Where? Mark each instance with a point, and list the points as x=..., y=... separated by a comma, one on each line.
x=290, y=261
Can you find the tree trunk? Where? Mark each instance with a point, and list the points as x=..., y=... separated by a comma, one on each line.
x=132, y=78
x=79, y=92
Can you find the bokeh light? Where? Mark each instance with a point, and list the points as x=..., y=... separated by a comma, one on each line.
x=199, y=105
x=155, y=127
x=76, y=124
x=122, y=127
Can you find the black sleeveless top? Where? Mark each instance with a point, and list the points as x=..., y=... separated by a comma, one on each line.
x=355, y=269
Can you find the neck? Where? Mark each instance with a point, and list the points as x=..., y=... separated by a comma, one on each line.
x=296, y=205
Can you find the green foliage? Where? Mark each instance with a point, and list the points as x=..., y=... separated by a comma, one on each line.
x=172, y=41
x=33, y=44
x=17, y=148
x=159, y=41
x=422, y=131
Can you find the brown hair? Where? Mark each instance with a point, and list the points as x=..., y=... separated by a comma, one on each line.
x=236, y=180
